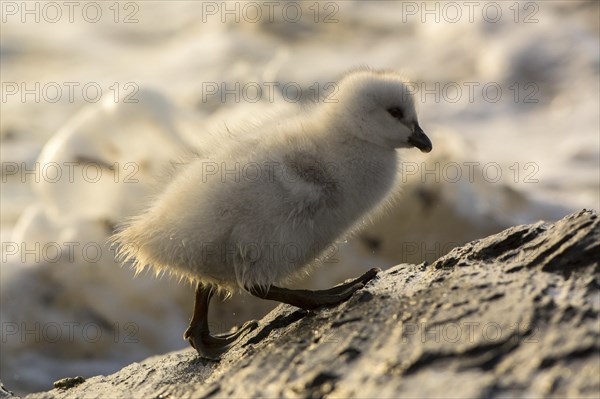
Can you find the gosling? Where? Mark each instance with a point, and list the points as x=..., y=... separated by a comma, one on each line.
x=262, y=210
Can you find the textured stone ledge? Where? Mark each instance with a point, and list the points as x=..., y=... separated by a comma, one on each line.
x=513, y=314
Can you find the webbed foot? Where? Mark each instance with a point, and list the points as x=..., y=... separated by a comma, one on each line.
x=307, y=299
x=198, y=333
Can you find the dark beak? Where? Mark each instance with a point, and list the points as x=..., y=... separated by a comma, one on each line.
x=420, y=140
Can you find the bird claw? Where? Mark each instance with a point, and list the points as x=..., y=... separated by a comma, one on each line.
x=213, y=346
x=364, y=279
x=370, y=275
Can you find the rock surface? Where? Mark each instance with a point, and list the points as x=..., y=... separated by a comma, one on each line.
x=514, y=314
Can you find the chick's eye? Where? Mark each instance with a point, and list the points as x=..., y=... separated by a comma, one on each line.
x=396, y=112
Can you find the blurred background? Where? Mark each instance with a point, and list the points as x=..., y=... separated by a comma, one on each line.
x=98, y=98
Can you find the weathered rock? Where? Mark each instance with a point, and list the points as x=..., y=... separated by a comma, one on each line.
x=514, y=314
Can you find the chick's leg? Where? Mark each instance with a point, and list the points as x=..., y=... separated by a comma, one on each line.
x=198, y=334
x=306, y=299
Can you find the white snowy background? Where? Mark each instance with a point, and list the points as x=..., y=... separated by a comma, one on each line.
x=508, y=93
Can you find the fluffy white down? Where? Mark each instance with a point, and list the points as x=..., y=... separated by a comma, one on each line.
x=259, y=210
